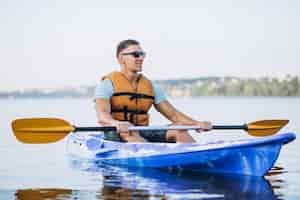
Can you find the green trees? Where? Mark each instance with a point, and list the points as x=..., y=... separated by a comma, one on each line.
x=233, y=86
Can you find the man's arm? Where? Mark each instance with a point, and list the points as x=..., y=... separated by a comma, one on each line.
x=177, y=117
x=103, y=93
x=104, y=117
x=103, y=112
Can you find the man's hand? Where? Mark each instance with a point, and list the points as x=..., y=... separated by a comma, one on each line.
x=122, y=127
x=125, y=134
x=205, y=126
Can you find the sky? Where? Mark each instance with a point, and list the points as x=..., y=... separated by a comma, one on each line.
x=60, y=43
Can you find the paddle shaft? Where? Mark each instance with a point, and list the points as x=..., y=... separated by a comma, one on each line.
x=139, y=128
x=100, y=128
x=135, y=128
x=230, y=127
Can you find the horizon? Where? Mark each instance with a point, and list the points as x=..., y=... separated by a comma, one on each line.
x=57, y=44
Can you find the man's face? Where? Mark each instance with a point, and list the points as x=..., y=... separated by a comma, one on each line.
x=132, y=58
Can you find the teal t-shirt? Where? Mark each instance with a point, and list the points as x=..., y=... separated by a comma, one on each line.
x=105, y=90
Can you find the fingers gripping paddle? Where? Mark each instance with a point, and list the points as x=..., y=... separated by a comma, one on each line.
x=48, y=130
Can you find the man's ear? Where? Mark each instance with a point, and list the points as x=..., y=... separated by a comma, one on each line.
x=120, y=59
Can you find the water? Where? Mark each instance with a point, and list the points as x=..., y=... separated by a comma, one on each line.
x=46, y=172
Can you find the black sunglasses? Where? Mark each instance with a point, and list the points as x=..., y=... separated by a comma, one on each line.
x=136, y=54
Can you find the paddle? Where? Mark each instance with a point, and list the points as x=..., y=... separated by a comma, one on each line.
x=47, y=130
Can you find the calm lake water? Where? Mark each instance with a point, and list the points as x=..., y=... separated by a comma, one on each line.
x=46, y=172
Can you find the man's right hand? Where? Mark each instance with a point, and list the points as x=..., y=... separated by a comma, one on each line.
x=122, y=127
x=125, y=134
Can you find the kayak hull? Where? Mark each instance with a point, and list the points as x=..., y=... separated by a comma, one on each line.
x=245, y=157
x=248, y=161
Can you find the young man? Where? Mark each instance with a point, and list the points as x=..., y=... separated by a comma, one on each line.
x=124, y=97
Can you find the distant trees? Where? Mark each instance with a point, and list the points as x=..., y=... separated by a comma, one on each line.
x=233, y=86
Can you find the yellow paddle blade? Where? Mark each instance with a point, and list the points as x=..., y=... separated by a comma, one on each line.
x=266, y=127
x=41, y=130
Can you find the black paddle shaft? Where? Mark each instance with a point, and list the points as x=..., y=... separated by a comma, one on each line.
x=112, y=128
x=230, y=127
x=101, y=128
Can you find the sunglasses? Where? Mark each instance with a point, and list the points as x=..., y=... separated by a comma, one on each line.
x=136, y=54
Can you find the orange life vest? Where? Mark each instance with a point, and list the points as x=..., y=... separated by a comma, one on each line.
x=129, y=104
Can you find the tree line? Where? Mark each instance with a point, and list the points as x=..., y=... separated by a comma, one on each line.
x=233, y=86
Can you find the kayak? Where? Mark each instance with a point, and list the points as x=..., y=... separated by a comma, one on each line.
x=253, y=157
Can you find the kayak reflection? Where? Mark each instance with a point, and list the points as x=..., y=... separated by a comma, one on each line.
x=120, y=182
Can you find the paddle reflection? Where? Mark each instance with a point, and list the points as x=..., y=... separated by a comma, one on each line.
x=149, y=183
x=39, y=194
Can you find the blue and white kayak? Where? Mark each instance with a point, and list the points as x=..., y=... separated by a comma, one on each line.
x=245, y=156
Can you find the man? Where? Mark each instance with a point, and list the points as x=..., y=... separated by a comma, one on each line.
x=123, y=99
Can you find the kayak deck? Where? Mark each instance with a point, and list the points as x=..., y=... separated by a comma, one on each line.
x=248, y=156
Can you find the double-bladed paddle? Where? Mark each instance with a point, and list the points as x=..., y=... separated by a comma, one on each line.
x=48, y=130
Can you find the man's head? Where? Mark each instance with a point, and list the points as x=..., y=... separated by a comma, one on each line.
x=130, y=55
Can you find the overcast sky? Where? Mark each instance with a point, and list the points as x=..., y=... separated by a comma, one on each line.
x=55, y=43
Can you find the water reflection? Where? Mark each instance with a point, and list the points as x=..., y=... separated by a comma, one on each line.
x=126, y=183
x=278, y=184
x=276, y=170
x=148, y=183
x=39, y=194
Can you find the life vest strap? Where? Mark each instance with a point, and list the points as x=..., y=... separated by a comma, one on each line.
x=131, y=112
x=134, y=95
x=137, y=112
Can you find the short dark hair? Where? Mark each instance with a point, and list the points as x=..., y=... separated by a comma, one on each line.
x=124, y=44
